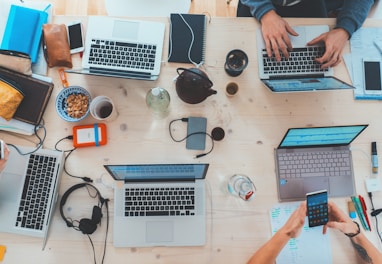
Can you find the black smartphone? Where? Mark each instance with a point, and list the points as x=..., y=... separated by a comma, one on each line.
x=317, y=208
x=372, y=76
x=196, y=132
x=76, y=38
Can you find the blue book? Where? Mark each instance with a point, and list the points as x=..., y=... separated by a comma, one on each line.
x=23, y=30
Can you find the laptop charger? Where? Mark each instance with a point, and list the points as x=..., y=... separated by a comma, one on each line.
x=89, y=135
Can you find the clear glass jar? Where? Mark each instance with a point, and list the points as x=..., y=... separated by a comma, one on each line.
x=158, y=100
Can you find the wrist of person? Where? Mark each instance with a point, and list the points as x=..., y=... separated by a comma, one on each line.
x=355, y=232
x=343, y=31
x=270, y=15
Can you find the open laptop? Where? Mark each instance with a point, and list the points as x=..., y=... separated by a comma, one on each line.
x=28, y=191
x=316, y=158
x=159, y=204
x=300, y=72
x=122, y=48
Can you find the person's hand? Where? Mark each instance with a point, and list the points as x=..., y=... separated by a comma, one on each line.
x=334, y=41
x=275, y=33
x=295, y=222
x=339, y=220
x=4, y=161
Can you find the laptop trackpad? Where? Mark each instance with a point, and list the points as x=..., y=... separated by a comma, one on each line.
x=160, y=231
x=316, y=184
x=9, y=185
x=125, y=29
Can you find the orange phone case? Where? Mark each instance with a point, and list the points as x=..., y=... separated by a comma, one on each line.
x=89, y=135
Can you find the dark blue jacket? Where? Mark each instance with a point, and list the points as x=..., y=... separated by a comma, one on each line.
x=351, y=15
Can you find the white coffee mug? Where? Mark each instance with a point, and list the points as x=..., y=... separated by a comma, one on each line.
x=103, y=108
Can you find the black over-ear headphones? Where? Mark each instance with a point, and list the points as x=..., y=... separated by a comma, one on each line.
x=85, y=225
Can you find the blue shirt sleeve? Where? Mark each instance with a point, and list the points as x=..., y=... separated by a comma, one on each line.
x=352, y=14
x=258, y=8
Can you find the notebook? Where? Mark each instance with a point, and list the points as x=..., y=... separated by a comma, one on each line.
x=159, y=204
x=187, y=38
x=117, y=47
x=300, y=72
x=25, y=22
x=15, y=199
x=316, y=158
x=37, y=93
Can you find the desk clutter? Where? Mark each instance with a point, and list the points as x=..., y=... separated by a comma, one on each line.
x=139, y=61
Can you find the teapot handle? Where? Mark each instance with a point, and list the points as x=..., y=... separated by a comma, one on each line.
x=196, y=73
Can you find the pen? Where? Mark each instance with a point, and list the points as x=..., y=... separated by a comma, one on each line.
x=374, y=157
x=358, y=208
x=364, y=209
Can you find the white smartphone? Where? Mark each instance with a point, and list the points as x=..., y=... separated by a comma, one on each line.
x=2, y=149
x=76, y=37
x=372, y=75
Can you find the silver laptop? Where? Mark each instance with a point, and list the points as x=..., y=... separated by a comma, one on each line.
x=159, y=204
x=300, y=72
x=123, y=48
x=28, y=191
x=316, y=158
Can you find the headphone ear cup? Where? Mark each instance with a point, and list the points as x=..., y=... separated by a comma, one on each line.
x=87, y=226
x=96, y=215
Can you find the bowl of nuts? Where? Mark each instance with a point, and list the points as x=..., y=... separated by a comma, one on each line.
x=72, y=103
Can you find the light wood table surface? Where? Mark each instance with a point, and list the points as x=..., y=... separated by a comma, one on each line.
x=255, y=121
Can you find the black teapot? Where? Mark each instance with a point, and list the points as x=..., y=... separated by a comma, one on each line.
x=193, y=85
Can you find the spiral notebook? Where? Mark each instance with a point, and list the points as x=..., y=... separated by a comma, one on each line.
x=187, y=38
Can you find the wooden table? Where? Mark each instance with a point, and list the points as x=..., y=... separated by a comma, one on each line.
x=254, y=120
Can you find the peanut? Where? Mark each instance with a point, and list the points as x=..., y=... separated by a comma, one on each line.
x=77, y=105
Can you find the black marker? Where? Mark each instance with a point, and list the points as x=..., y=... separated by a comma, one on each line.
x=374, y=157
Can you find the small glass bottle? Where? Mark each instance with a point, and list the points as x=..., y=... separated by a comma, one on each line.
x=158, y=100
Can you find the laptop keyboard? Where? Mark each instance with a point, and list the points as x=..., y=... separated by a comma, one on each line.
x=122, y=54
x=167, y=201
x=301, y=60
x=35, y=196
x=307, y=164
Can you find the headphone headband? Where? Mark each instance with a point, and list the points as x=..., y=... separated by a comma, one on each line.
x=72, y=189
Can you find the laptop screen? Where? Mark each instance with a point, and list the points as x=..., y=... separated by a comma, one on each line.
x=157, y=172
x=321, y=136
x=286, y=84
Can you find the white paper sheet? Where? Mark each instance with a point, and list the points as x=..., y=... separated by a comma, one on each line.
x=308, y=247
x=362, y=46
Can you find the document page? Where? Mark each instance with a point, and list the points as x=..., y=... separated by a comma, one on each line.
x=308, y=247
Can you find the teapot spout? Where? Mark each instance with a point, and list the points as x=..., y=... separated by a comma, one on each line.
x=211, y=92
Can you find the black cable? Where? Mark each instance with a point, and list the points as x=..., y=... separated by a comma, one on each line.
x=106, y=201
x=91, y=242
x=68, y=153
x=375, y=213
x=41, y=140
x=184, y=119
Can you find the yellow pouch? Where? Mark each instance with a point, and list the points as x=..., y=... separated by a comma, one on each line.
x=10, y=99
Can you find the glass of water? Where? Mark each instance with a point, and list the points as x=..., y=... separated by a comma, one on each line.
x=242, y=186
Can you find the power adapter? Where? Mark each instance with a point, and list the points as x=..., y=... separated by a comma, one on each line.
x=373, y=184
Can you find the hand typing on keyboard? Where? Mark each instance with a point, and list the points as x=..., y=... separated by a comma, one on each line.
x=335, y=41
x=275, y=33
x=276, y=30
